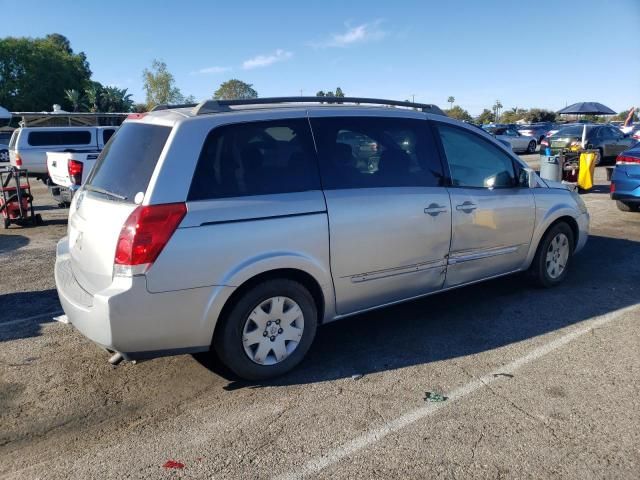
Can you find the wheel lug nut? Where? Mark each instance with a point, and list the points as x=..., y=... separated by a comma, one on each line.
x=277, y=322
x=273, y=338
x=279, y=330
x=264, y=334
x=268, y=323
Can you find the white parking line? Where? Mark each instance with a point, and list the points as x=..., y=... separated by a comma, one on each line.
x=351, y=447
x=27, y=319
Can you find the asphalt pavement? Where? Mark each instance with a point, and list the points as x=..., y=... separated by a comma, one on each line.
x=497, y=380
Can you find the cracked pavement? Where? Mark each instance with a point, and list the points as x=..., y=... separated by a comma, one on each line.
x=572, y=413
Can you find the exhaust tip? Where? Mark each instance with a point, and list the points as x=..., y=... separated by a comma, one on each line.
x=116, y=358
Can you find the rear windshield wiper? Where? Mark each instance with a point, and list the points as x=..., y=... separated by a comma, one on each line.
x=105, y=192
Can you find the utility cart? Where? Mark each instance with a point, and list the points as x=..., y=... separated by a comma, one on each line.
x=16, y=200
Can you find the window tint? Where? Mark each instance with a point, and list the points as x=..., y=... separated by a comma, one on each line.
x=365, y=152
x=5, y=137
x=258, y=158
x=473, y=161
x=125, y=165
x=107, y=134
x=57, y=138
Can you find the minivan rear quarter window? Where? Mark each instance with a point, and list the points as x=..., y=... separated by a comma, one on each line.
x=257, y=158
x=54, y=138
x=126, y=164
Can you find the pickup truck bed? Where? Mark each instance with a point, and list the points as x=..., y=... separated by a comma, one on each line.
x=68, y=171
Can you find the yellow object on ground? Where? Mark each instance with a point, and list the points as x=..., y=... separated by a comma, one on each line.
x=587, y=170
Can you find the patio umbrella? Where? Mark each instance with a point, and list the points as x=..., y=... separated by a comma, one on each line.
x=586, y=108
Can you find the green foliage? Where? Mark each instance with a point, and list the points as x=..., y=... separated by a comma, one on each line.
x=458, y=113
x=159, y=85
x=74, y=97
x=450, y=101
x=540, y=115
x=320, y=93
x=339, y=93
x=487, y=116
x=35, y=72
x=622, y=116
x=139, y=108
x=513, y=115
x=235, y=89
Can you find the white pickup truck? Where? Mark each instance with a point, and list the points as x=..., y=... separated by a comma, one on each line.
x=68, y=171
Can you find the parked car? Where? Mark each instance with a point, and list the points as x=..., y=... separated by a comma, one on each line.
x=29, y=145
x=625, y=180
x=609, y=140
x=68, y=171
x=535, y=130
x=519, y=143
x=4, y=147
x=243, y=225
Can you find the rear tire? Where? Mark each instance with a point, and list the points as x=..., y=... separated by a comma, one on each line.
x=553, y=257
x=532, y=147
x=233, y=340
x=627, y=207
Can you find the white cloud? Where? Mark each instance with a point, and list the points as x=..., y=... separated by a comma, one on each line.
x=266, y=60
x=365, y=32
x=210, y=70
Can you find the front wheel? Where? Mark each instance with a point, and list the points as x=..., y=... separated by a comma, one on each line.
x=553, y=257
x=531, y=148
x=268, y=331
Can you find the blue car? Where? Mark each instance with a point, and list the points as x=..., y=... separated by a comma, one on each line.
x=625, y=181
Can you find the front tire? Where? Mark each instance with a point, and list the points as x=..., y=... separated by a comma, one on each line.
x=531, y=148
x=553, y=257
x=268, y=331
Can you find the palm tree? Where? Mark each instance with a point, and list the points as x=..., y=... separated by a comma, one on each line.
x=496, y=110
x=93, y=94
x=74, y=97
x=451, y=100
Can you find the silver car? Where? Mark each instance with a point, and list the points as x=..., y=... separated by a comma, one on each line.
x=244, y=225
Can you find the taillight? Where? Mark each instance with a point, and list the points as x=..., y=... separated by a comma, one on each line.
x=18, y=161
x=75, y=171
x=612, y=187
x=627, y=160
x=144, y=235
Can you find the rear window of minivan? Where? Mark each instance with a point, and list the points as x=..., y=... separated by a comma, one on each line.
x=126, y=164
x=58, y=138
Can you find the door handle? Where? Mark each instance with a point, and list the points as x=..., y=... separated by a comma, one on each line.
x=434, y=209
x=466, y=207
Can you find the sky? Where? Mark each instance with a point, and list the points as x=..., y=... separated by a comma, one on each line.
x=541, y=53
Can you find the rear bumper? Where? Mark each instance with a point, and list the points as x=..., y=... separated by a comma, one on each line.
x=62, y=194
x=627, y=183
x=126, y=318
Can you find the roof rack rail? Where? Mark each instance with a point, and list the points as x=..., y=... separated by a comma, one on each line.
x=218, y=106
x=166, y=106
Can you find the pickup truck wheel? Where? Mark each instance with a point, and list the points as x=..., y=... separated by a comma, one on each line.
x=268, y=330
x=532, y=146
x=553, y=257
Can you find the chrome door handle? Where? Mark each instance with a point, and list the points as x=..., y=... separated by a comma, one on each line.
x=466, y=207
x=434, y=209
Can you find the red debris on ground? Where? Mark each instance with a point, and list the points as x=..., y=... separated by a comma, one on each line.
x=173, y=464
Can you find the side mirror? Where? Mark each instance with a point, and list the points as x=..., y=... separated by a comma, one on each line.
x=528, y=178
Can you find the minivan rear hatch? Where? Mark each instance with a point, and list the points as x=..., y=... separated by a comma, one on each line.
x=114, y=189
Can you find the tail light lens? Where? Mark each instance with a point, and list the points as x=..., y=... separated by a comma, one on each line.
x=627, y=160
x=612, y=187
x=143, y=236
x=75, y=171
x=18, y=161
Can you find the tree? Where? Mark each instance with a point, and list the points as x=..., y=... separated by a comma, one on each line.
x=496, y=110
x=458, y=113
x=513, y=115
x=35, y=72
x=74, y=97
x=622, y=116
x=339, y=93
x=320, y=93
x=139, y=108
x=235, y=89
x=450, y=101
x=535, y=115
x=487, y=116
x=159, y=85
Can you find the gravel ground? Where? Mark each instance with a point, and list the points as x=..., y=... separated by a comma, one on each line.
x=541, y=383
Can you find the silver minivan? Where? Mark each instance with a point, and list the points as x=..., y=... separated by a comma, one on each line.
x=242, y=225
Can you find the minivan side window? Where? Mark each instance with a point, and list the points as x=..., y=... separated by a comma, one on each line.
x=256, y=158
x=475, y=162
x=51, y=138
x=370, y=152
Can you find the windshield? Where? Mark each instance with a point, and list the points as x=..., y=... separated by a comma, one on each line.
x=573, y=131
x=127, y=162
